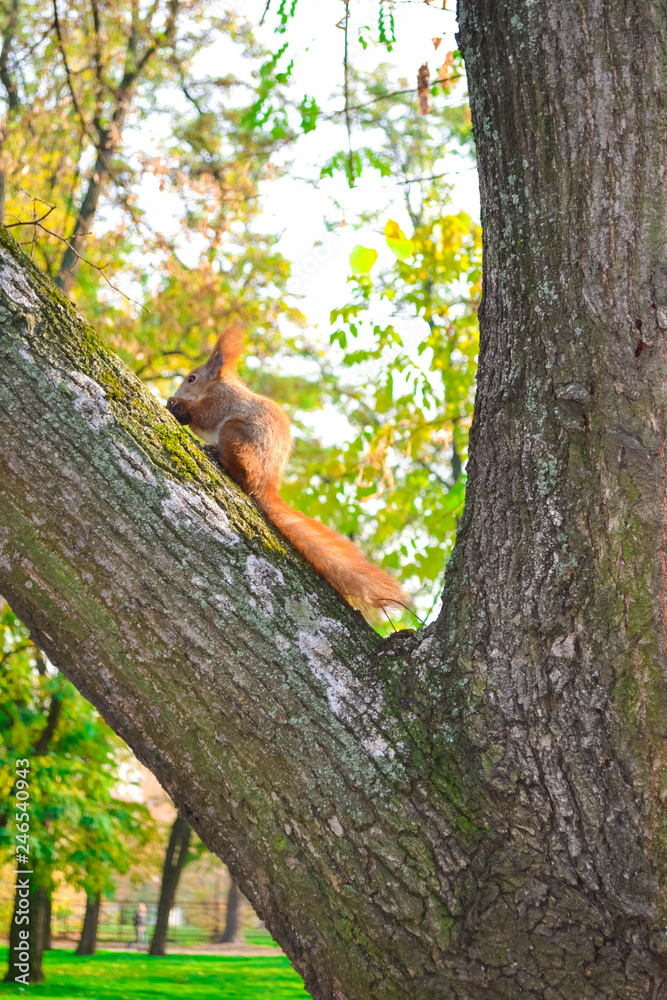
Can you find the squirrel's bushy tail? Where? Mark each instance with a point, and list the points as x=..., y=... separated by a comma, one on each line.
x=334, y=557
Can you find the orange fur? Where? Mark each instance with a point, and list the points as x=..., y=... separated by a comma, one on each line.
x=252, y=437
x=230, y=345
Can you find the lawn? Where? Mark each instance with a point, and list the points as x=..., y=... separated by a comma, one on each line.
x=120, y=976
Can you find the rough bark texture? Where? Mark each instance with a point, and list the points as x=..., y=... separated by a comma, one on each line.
x=88, y=940
x=174, y=862
x=473, y=811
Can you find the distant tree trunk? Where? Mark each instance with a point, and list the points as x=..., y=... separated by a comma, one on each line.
x=46, y=918
x=88, y=939
x=27, y=961
x=108, y=141
x=233, y=932
x=9, y=84
x=174, y=862
x=71, y=257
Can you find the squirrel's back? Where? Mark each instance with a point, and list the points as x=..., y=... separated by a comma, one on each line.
x=252, y=436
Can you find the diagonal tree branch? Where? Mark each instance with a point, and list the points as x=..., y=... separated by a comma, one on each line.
x=475, y=811
x=250, y=689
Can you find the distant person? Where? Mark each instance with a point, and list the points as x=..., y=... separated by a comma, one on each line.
x=140, y=921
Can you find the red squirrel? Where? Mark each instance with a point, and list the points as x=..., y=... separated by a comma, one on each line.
x=251, y=439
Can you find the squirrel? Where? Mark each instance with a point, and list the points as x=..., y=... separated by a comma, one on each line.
x=250, y=437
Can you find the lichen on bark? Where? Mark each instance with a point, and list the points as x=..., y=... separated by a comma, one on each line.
x=473, y=810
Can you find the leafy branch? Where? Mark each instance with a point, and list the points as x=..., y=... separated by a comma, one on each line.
x=38, y=224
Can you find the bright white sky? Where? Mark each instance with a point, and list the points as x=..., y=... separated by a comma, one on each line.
x=296, y=209
x=293, y=206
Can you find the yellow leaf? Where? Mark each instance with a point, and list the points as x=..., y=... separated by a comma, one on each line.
x=397, y=241
x=445, y=71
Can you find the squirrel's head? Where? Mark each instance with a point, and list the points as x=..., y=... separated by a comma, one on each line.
x=195, y=385
x=201, y=378
x=220, y=365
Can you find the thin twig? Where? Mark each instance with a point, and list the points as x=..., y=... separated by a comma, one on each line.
x=348, y=124
x=34, y=222
x=389, y=620
x=384, y=97
x=432, y=471
x=407, y=608
x=436, y=177
x=38, y=224
x=68, y=74
x=184, y=87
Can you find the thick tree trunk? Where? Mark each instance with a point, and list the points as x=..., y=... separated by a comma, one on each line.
x=174, y=862
x=233, y=932
x=88, y=940
x=26, y=936
x=473, y=811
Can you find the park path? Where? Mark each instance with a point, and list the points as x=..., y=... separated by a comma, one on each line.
x=222, y=950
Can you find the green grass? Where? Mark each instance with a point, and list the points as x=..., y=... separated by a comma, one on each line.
x=120, y=976
x=259, y=936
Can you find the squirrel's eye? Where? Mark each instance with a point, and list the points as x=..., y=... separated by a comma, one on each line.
x=191, y=378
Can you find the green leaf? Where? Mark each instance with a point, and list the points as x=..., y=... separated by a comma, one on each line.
x=362, y=259
x=309, y=110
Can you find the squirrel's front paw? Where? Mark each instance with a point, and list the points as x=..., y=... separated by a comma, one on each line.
x=176, y=408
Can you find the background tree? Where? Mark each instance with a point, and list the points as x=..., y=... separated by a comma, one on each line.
x=175, y=860
x=88, y=75
x=79, y=827
x=109, y=840
x=233, y=932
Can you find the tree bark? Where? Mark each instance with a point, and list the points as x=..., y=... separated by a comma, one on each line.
x=475, y=810
x=27, y=961
x=88, y=940
x=48, y=915
x=174, y=862
x=233, y=932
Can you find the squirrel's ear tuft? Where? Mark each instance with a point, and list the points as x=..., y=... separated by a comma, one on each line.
x=230, y=342
x=214, y=363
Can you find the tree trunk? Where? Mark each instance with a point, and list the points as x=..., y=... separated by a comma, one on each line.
x=88, y=940
x=233, y=932
x=76, y=243
x=472, y=811
x=11, y=91
x=48, y=915
x=174, y=862
x=26, y=936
